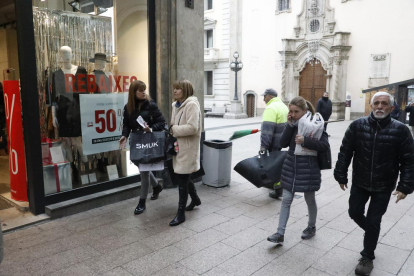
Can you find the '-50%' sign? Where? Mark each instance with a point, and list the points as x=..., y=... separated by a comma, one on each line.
x=101, y=117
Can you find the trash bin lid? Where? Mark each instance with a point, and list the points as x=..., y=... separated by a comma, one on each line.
x=218, y=144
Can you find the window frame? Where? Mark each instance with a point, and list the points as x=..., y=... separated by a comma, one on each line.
x=206, y=38
x=279, y=2
x=206, y=72
x=206, y=6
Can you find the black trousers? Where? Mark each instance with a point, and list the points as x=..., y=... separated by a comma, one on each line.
x=371, y=223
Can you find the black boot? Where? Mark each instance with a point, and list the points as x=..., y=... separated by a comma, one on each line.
x=156, y=191
x=183, y=196
x=195, y=200
x=141, y=207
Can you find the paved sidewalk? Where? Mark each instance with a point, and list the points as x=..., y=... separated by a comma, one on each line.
x=226, y=235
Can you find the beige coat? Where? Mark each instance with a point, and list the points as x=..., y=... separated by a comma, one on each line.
x=187, y=130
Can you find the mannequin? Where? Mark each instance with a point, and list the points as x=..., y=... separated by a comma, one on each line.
x=67, y=83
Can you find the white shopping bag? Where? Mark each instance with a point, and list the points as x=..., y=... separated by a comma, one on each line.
x=311, y=127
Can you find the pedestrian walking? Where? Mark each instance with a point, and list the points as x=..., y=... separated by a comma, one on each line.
x=274, y=119
x=324, y=107
x=410, y=109
x=186, y=127
x=395, y=114
x=382, y=149
x=300, y=173
x=140, y=104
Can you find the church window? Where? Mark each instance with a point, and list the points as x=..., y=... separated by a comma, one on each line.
x=284, y=5
x=314, y=25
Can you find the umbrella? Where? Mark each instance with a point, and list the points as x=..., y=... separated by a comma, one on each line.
x=241, y=133
x=263, y=170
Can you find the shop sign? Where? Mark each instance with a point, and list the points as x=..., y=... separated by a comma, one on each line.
x=17, y=160
x=101, y=118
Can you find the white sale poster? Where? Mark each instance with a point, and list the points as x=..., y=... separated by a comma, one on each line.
x=101, y=118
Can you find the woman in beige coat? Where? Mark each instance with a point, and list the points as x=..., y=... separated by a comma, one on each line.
x=186, y=127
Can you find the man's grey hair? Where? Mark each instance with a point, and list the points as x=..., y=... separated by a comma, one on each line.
x=383, y=94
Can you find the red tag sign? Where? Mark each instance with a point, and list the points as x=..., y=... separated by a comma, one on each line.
x=17, y=160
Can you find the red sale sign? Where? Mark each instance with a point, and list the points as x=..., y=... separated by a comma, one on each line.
x=17, y=160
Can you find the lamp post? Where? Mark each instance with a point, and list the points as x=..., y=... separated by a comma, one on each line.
x=236, y=66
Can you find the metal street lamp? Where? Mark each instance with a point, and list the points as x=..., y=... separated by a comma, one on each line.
x=236, y=66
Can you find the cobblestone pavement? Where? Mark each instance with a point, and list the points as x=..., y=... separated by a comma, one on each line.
x=226, y=235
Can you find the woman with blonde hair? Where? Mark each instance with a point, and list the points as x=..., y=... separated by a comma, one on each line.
x=140, y=104
x=300, y=173
x=186, y=127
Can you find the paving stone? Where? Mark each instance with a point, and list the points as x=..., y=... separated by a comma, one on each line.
x=343, y=223
x=353, y=242
x=155, y=261
x=204, y=223
x=408, y=267
x=261, y=200
x=236, y=225
x=7, y=270
x=75, y=270
x=251, y=260
x=314, y=272
x=401, y=235
x=338, y=261
x=226, y=201
x=254, y=192
x=201, y=241
x=390, y=259
x=325, y=238
x=200, y=211
x=61, y=260
x=119, y=271
x=265, y=211
x=175, y=270
x=247, y=238
x=93, y=222
x=216, y=272
x=209, y=258
x=294, y=262
x=236, y=210
x=168, y=237
x=31, y=231
x=271, y=223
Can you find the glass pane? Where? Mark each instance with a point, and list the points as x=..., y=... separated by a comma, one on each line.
x=210, y=39
x=209, y=83
x=210, y=4
x=88, y=54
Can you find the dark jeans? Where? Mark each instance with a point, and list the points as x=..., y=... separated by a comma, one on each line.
x=371, y=223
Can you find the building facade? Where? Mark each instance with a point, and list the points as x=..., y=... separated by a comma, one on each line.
x=306, y=47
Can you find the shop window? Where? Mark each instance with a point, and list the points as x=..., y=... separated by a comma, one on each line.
x=208, y=39
x=83, y=81
x=208, y=83
x=208, y=5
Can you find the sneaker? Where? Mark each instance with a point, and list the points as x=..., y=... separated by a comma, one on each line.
x=364, y=267
x=276, y=238
x=278, y=193
x=308, y=233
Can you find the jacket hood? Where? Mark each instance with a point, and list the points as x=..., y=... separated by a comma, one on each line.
x=189, y=99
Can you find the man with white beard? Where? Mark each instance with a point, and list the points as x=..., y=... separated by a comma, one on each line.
x=382, y=149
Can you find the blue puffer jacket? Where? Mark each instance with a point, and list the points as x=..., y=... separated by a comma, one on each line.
x=301, y=173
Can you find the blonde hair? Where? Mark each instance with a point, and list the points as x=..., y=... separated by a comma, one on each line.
x=302, y=104
x=133, y=88
x=186, y=87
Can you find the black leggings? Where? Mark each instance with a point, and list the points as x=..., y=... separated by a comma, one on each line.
x=182, y=181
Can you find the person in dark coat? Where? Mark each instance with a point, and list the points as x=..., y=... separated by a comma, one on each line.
x=324, y=107
x=395, y=114
x=410, y=108
x=300, y=173
x=140, y=104
x=382, y=150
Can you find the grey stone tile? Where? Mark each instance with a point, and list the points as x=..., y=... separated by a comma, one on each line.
x=201, y=211
x=325, y=238
x=338, y=261
x=314, y=272
x=294, y=262
x=408, y=267
x=251, y=260
x=390, y=259
x=118, y=257
x=119, y=271
x=96, y=234
x=236, y=210
x=401, y=234
x=21, y=233
x=236, y=225
x=216, y=272
x=261, y=200
x=254, y=192
x=175, y=270
x=266, y=211
x=353, y=242
x=343, y=223
x=247, y=238
x=204, y=223
x=271, y=223
x=210, y=257
x=7, y=270
x=93, y=222
x=226, y=201
x=168, y=237
x=201, y=241
x=155, y=261
x=61, y=260
x=75, y=270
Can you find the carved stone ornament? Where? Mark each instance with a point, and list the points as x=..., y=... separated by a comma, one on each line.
x=297, y=31
x=331, y=26
x=379, y=57
x=313, y=46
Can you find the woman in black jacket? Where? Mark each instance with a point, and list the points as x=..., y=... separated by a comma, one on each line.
x=140, y=104
x=300, y=173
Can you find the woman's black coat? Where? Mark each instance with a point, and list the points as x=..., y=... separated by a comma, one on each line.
x=149, y=112
x=301, y=173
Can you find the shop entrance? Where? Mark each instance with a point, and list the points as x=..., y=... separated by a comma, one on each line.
x=312, y=82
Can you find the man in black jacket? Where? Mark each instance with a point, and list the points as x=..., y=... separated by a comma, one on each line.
x=324, y=107
x=382, y=149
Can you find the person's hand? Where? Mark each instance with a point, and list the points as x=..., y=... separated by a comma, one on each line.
x=299, y=139
x=399, y=195
x=122, y=142
x=343, y=186
x=289, y=119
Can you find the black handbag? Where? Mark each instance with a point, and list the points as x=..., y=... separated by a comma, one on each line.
x=169, y=143
x=325, y=159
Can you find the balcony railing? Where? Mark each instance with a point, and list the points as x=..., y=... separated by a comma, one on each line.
x=211, y=54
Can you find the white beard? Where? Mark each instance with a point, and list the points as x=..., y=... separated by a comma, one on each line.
x=380, y=115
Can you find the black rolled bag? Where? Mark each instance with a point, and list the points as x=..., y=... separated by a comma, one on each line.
x=147, y=148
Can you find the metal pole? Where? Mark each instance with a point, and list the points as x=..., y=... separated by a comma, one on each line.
x=235, y=89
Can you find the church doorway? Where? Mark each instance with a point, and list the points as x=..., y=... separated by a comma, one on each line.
x=312, y=83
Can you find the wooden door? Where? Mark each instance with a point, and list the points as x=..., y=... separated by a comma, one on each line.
x=251, y=105
x=312, y=82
